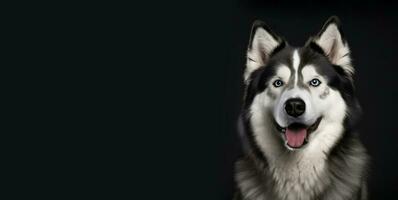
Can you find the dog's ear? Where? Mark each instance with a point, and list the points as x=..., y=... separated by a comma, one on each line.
x=261, y=45
x=333, y=45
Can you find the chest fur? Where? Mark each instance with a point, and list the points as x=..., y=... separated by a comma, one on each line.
x=298, y=177
x=292, y=176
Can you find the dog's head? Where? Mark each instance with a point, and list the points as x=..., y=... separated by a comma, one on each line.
x=298, y=96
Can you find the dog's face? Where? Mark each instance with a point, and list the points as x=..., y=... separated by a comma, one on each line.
x=295, y=95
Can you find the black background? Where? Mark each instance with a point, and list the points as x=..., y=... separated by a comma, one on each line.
x=187, y=86
x=163, y=92
x=371, y=30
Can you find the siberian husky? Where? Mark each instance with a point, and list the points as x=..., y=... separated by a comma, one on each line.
x=299, y=118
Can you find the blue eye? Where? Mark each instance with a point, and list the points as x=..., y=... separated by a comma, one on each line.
x=278, y=83
x=315, y=82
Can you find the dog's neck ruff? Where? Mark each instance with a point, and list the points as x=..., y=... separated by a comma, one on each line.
x=296, y=175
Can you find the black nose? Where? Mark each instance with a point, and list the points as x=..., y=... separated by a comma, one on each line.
x=295, y=107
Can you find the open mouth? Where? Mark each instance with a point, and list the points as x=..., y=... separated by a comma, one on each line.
x=296, y=134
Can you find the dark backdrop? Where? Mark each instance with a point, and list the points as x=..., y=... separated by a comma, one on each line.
x=182, y=86
x=371, y=30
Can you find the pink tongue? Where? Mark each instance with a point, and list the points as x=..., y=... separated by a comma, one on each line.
x=295, y=138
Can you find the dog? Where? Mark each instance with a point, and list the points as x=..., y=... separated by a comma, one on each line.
x=298, y=124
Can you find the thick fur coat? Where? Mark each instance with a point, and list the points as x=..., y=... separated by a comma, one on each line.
x=299, y=119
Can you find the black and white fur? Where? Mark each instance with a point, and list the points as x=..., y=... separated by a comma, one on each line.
x=333, y=163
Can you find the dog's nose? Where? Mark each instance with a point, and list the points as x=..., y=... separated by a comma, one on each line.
x=295, y=107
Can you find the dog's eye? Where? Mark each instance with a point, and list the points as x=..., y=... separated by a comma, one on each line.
x=278, y=83
x=315, y=82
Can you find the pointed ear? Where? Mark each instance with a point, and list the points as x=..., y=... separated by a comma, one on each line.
x=262, y=44
x=333, y=45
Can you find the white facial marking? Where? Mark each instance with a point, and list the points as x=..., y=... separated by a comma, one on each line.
x=309, y=73
x=296, y=63
x=283, y=72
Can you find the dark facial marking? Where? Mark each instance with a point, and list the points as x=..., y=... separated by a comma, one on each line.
x=256, y=84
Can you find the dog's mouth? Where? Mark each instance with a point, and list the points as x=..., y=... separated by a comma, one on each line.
x=296, y=134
